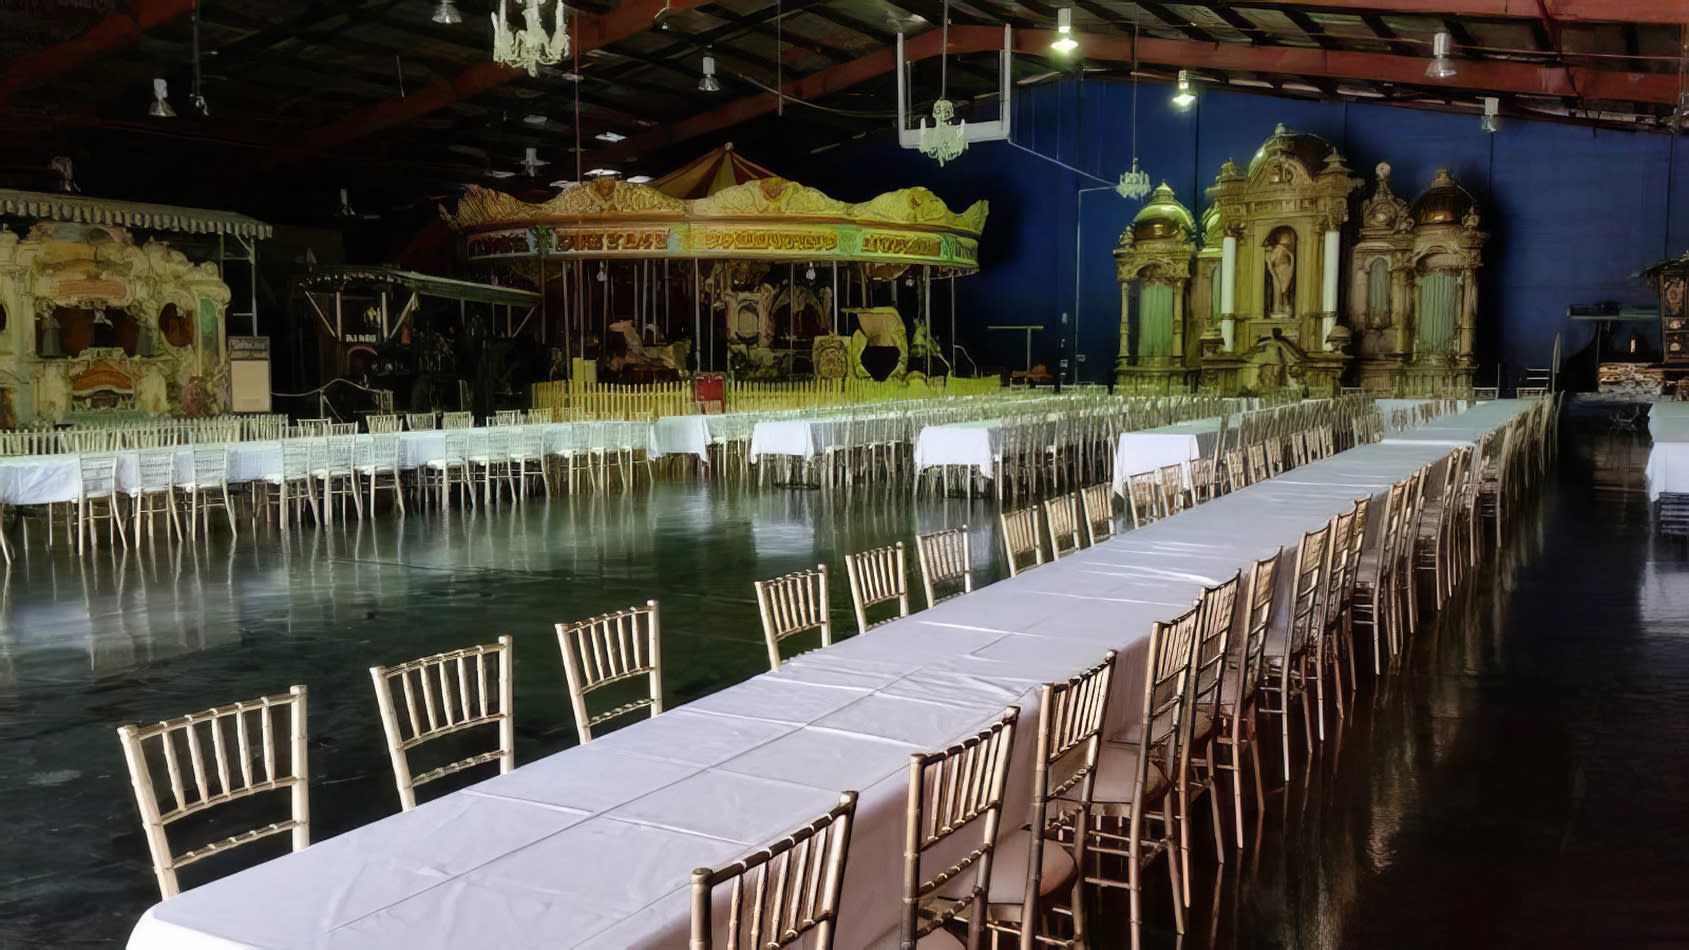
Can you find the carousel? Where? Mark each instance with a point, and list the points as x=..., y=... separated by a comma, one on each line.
x=723, y=265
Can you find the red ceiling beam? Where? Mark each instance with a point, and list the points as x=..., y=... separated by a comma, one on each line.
x=633, y=16
x=1474, y=75
x=1570, y=11
x=117, y=31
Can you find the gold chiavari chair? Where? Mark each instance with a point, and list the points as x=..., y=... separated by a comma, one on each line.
x=1298, y=448
x=792, y=604
x=375, y=462
x=96, y=500
x=1209, y=660
x=945, y=557
x=1237, y=471
x=1257, y=461
x=1371, y=593
x=1287, y=664
x=1437, y=528
x=1134, y=777
x=1205, y=480
x=1345, y=645
x=1061, y=522
x=155, y=493
x=1143, y=498
x=1036, y=877
x=1274, y=450
x=233, y=752
x=1175, y=496
x=1020, y=539
x=607, y=650
x=383, y=424
x=795, y=889
x=952, y=791
x=421, y=421
x=1239, y=722
x=457, y=420
x=878, y=576
x=506, y=417
x=1329, y=627
x=209, y=488
x=1098, y=504
x=538, y=417
x=443, y=695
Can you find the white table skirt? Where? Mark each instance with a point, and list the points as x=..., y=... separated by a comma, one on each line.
x=1668, y=460
x=1162, y=446
x=51, y=479
x=804, y=438
x=960, y=443
x=593, y=846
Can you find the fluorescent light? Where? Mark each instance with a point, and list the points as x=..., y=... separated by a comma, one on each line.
x=639, y=179
x=609, y=137
x=1064, y=42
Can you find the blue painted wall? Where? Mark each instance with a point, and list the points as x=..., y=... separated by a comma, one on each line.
x=1573, y=212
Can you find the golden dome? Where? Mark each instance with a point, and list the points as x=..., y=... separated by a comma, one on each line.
x=1163, y=217
x=1305, y=147
x=1445, y=202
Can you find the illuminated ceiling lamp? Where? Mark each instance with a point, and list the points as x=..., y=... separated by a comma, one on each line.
x=709, y=83
x=1185, y=96
x=160, y=107
x=1064, y=41
x=1491, y=121
x=1440, y=66
x=446, y=13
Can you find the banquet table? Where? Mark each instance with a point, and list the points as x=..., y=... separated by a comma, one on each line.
x=975, y=443
x=693, y=434
x=593, y=846
x=1668, y=459
x=52, y=479
x=1155, y=448
x=805, y=437
x=1463, y=428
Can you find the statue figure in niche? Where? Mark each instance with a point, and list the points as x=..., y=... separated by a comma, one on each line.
x=1281, y=272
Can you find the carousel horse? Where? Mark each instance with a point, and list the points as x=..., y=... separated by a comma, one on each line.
x=672, y=355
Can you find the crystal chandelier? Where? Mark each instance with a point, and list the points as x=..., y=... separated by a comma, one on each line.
x=946, y=138
x=1135, y=183
x=530, y=47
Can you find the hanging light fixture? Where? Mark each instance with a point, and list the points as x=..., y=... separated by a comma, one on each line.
x=809, y=273
x=195, y=94
x=1440, y=66
x=709, y=83
x=1492, y=114
x=1185, y=95
x=603, y=272
x=1064, y=42
x=1135, y=183
x=946, y=138
x=532, y=162
x=346, y=205
x=531, y=46
x=446, y=13
x=160, y=107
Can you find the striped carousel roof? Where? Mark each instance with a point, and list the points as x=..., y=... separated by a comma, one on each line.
x=709, y=173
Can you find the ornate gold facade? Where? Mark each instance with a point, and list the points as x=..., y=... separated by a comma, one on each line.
x=1260, y=306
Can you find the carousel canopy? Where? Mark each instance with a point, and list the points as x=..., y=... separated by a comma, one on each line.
x=427, y=285
x=56, y=206
x=763, y=218
x=709, y=173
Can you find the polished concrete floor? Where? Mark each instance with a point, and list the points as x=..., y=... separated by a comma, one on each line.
x=1521, y=783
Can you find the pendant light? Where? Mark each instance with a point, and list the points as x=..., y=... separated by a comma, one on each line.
x=1185, y=96
x=1440, y=66
x=1135, y=183
x=1492, y=118
x=1064, y=42
x=160, y=107
x=709, y=83
x=446, y=14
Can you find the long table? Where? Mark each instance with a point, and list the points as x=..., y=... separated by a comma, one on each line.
x=52, y=479
x=1462, y=427
x=593, y=846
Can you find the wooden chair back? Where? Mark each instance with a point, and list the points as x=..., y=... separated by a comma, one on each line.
x=1097, y=502
x=443, y=695
x=213, y=758
x=794, y=889
x=1020, y=539
x=878, y=576
x=1062, y=523
x=611, y=648
x=952, y=791
x=792, y=604
x=945, y=557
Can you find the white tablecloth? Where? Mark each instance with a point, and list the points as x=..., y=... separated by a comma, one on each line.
x=1165, y=445
x=1464, y=428
x=1668, y=460
x=960, y=443
x=50, y=479
x=593, y=846
x=804, y=438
